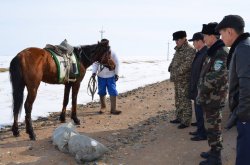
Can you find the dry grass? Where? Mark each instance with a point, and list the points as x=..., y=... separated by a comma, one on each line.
x=4, y=69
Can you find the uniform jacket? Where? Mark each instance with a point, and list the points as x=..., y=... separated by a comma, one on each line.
x=180, y=67
x=195, y=71
x=212, y=88
x=239, y=78
x=104, y=72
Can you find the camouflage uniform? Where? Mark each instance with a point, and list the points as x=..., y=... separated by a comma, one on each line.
x=212, y=91
x=180, y=72
x=172, y=68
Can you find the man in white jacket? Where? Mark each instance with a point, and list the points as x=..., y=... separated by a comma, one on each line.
x=107, y=80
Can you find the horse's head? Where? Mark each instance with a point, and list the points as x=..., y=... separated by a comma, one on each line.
x=99, y=52
x=103, y=54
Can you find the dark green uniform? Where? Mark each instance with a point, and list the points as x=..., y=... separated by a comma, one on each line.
x=212, y=91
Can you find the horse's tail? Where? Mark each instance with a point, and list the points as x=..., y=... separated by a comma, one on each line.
x=18, y=85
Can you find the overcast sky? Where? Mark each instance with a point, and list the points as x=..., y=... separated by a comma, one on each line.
x=134, y=27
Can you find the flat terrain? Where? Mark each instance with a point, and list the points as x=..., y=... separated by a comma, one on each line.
x=142, y=134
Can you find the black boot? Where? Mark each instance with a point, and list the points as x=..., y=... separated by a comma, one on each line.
x=175, y=121
x=182, y=126
x=213, y=159
x=205, y=155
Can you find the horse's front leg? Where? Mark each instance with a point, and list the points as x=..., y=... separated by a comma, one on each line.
x=65, y=102
x=75, y=89
x=28, y=109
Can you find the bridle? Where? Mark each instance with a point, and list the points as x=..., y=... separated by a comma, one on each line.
x=92, y=61
x=89, y=59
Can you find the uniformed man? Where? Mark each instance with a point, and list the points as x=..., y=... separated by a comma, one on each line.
x=180, y=71
x=212, y=91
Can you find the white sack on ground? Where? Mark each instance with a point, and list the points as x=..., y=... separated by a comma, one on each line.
x=62, y=134
x=85, y=149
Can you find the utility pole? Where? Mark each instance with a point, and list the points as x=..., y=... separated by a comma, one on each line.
x=168, y=52
x=102, y=31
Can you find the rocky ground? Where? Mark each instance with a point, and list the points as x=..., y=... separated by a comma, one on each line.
x=142, y=134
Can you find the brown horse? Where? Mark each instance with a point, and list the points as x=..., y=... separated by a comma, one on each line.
x=33, y=65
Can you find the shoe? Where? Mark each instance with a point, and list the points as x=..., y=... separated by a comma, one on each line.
x=194, y=124
x=213, y=159
x=205, y=155
x=182, y=126
x=175, y=121
x=210, y=162
x=198, y=138
x=193, y=133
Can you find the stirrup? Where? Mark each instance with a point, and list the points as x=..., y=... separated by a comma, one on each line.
x=71, y=80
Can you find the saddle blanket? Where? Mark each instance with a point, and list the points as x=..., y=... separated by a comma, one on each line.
x=67, y=67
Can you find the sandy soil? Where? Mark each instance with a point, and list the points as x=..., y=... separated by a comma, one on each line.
x=142, y=134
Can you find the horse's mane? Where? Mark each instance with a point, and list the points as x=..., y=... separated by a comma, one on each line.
x=91, y=52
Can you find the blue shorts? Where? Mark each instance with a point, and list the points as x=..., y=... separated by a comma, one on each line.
x=107, y=83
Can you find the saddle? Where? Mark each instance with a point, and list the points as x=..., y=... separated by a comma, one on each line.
x=63, y=49
x=65, y=60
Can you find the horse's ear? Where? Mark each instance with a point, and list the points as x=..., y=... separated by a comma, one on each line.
x=77, y=48
x=106, y=43
x=98, y=42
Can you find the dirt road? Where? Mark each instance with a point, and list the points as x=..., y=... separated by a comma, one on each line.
x=142, y=134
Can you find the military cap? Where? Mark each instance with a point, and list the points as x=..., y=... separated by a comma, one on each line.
x=179, y=34
x=231, y=21
x=209, y=29
x=197, y=36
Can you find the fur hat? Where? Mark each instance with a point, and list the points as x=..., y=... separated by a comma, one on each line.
x=197, y=36
x=231, y=21
x=178, y=35
x=209, y=29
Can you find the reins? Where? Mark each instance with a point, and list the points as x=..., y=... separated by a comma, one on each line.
x=92, y=87
x=89, y=59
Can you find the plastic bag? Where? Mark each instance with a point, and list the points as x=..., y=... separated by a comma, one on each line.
x=85, y=149
x=62, y=134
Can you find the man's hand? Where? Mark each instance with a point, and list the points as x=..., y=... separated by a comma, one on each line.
x=93, y=75
x=116, y=77
x=169, y=68
x=232, y=121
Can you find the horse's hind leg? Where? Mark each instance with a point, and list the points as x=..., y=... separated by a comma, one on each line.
x=65, y=102
x=18, y=99
x=28, y=108
x=75, y=89
x=18, y=102
x=15, y=130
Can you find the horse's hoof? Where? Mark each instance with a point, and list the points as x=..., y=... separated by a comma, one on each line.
x=16, y=134
x=62, y=118
x=33, y=137
x=31, y=133
x=77, y=121
x=62, y=121
x=100, y=112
